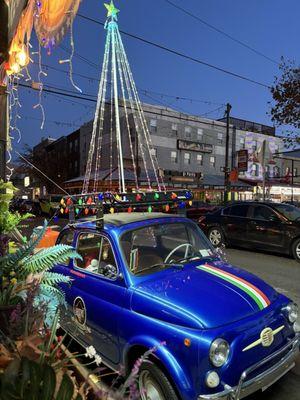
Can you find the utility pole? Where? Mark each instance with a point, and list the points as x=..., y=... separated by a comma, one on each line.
x=3, y=93
x=226, y=169
x=292, y=195
x=264, y=168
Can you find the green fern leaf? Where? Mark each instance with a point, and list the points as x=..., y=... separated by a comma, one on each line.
x=47, y=258
x=52, y=278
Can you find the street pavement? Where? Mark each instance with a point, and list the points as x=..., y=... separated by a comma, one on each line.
x=281, y=272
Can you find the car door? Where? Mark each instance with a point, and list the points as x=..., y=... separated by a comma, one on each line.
x=234, y=222
x=265, y=228
x=96, y=296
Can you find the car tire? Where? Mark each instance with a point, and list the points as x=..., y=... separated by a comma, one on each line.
x=216, y=237
x=153, y=383
x=296, y=249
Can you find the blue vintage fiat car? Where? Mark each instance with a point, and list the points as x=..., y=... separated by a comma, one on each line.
x=148, y=278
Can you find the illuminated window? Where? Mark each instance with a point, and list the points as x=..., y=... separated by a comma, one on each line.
x=187, y=158
x=153, y=125
x=212, y=161
x=200, y=133
x=174, y=157
x=188, y=131
x=199, y=159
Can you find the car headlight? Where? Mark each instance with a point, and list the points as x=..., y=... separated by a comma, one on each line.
x=292, y=311
x=219, y=352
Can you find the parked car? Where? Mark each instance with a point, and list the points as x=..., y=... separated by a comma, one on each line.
x=50, y=204
x=154, y=280
x=266, y=226
x=200, y=208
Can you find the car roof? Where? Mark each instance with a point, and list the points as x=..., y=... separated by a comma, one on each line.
x=121, y=219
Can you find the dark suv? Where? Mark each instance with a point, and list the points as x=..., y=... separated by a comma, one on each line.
x=266, y=226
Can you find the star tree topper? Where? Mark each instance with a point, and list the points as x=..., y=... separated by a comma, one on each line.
x=112, y=11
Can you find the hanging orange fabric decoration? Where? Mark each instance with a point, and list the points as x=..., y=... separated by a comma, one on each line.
x=55, y=18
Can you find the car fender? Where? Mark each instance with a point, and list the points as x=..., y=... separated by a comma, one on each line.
x=175, y=371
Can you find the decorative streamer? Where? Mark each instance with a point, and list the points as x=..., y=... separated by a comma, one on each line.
x=40, y=84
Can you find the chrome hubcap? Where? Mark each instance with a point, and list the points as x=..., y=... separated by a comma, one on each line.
x=148, y=388
x=216, y=238
x=298, y=251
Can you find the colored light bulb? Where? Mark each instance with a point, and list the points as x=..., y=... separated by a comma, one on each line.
x=149, y=209
x=130, y=210
x=173, y=196
x=156, y=196
x=80, y=201
x=167, y=208
x=62, y=202
x=190, y=203
x=100, y=196
x=182, y=205
x=112, y=210
x=66, y=210
x=62, y=210
x=77, y=210
x=138, y=197
x=86, y=211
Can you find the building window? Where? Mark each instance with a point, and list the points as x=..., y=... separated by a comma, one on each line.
x=76, y=144
x=153, y=152
x=276, y=148
x=287, y=171
x=255, y=170
x=268, y=171
x=76, y=165
x=187, y=131
x=187, y=158
x=71, y=146
x=254, y=145
x=276, y=172
x=174, y=157
x=295, y=172
x=212, y=161
x=153, y=125
x=242, y=143
x=199, y=159
x=200, y=133
x=174, y=129
x=220, y=137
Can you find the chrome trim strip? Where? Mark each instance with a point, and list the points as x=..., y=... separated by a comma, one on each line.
x=266, y=378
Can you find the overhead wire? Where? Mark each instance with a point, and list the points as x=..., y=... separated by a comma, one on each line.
x=182, y=55
x=182, y=117
x=208, y=24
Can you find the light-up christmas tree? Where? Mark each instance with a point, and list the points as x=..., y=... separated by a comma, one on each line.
x=118, y=95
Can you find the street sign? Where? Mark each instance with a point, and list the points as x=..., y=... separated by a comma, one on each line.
x=242, y=160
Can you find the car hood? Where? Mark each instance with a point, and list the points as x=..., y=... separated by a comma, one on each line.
x=202, y=295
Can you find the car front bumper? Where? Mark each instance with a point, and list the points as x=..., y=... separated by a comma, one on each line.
x=262, y=381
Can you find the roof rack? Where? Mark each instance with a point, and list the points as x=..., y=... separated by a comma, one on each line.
x=106, y=202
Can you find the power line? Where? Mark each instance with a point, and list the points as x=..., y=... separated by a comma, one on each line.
x=182, y=55
x=247, y=46
x=141, y=90
x=161, y=114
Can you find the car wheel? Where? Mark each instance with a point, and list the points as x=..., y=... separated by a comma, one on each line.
x=296, y=250
x=216, y=237
x=153, y=383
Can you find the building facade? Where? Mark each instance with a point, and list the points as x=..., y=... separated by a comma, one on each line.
x=190, y=150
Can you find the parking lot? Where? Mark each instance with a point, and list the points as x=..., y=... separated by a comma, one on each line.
x=281, y=272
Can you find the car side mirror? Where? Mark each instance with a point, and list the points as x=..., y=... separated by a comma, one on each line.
x=111, y=271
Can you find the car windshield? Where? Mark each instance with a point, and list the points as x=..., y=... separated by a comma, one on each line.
x=290, y=212
x=156, y=247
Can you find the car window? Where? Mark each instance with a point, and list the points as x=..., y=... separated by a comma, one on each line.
x=240, y=210
x=67, y=238
x=226, y=211
x=155, y=247
x=289, y=211
x=263, y=213
x=97, y=255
